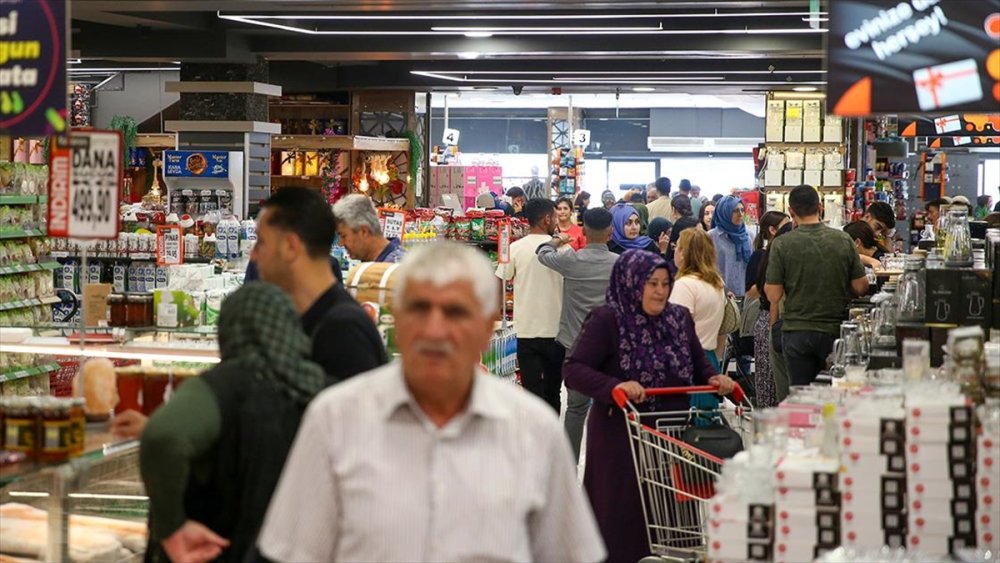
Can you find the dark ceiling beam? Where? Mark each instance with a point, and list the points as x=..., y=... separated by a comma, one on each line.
x=95, y=41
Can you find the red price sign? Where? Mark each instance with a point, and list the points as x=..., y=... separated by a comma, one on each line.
x=169, y=246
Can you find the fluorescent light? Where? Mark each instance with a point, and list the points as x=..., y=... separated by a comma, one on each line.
x=478, y=34
x=635, y=78
x=625, y=72
x=643, y=89
x=587, y=80
x=122, y=69
x=468, y=55
x=805, y=88
x=534, y=30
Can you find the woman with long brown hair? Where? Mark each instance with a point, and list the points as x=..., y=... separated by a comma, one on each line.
x=699, y=288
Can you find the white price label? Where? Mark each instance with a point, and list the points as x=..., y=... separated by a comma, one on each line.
x=581, y=137
x=450, y=137
x=169, y=246
x=392, y=223
x=85, y=177
x=503, y=244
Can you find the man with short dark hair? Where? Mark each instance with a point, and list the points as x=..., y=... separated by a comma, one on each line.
x=537, y=305
x=661, y=206
x=586, y=274
x=817, y=271
x=295, y=229
x=882, y=220
x=517, y=200
x=933, y=209
x=684, y=188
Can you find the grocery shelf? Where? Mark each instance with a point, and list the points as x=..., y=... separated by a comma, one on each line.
x=164, y=353
x=340, y=142
x=22, y=199
x=20, y=233
x=32, y=302
x=142, y=257
x=27, y=268
x=19, y=373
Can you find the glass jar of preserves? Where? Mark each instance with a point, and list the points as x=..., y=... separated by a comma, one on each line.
x=139, y=311
x=117, y=308
x=56, y=433
x=21, y=426
x=78, y=425
x=129, y=381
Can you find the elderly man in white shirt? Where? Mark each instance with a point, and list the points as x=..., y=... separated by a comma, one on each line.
x=432, y=458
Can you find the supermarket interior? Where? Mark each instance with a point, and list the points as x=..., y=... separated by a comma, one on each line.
x=748, y=250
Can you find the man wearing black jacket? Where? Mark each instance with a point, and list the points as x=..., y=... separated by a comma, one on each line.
x=295, y=229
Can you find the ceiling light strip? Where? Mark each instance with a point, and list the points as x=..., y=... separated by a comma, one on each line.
x=624, y=80
x=563, y=29
x=510, y=17
x=620, y=72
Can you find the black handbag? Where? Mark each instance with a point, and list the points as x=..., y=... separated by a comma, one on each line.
x=718, y=439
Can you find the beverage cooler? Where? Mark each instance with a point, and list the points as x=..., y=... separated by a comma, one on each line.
x=201, y=182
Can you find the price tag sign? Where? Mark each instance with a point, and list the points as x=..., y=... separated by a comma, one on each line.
x=169, y=246
x=393, y=221
x=450, y=138
x=503, y=244
x=84, y=180
x=581, y=137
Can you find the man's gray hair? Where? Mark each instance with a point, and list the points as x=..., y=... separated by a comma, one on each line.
x=357, y=211
x=444, y=263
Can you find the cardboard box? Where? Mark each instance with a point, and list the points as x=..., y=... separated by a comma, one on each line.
x=977, y=288
x=812, y=113
x=833, y=178
x=95, y=298
x=939, y=490
x=793, y=133
x=793, y=113
x=813, y=178
x=775, y=121
x=894, y=521
x=812, y=134
x=803, y=473
x=944, y=288
x=833, y=130
x=793, y=178
x=794, y=551
x=930, y=544
x=814, y=161
x=773, y=178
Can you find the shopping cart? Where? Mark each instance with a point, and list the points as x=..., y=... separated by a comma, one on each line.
x=675, y=478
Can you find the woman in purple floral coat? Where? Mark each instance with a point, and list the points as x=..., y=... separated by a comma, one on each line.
x=637, y=341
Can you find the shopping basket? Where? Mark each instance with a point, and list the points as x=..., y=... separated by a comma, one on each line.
x=676, y=479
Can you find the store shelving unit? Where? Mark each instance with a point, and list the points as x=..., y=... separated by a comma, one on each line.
x=19, y=373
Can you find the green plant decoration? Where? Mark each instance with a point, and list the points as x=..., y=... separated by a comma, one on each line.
x=129, y=129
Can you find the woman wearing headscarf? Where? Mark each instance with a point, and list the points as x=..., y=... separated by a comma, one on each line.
x=682, y=224
x=732, y=243
x=767, y=394
x=626, y=227
x=614, y=351
x=983, y=204
x=643, y=212
x=608, y=199
x=211, y=456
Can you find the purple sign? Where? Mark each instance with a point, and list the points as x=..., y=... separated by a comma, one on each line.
x=32, y=67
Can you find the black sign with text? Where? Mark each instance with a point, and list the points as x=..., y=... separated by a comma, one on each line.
x=905, y=56
x=32, y=67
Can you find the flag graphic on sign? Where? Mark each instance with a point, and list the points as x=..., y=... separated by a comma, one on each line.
x=948, y=84
x=947, y=124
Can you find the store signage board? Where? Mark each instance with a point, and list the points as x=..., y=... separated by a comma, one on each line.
x=32, y=67
x=196, y=164
x=581, y=137
x=905, y=56
x=984, y=126
x=85, y=176
x=503, y=243
x=393, y=221
x=169, y=246
x=450, y=137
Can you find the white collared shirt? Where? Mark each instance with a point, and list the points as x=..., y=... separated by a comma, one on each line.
x=370, y=478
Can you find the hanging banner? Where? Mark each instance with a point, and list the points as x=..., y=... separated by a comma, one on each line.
x=985, y=125
x=899, y=56
x=32, y=67
x=84, y=181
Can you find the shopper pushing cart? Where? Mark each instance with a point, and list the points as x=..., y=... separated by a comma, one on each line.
x=677, y=465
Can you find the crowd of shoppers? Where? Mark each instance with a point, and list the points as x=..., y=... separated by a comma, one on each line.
x=388, y=461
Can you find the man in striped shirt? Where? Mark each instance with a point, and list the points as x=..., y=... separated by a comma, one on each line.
x=432, y=458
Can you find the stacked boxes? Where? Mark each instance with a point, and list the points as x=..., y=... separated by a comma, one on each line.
x=738, y=531
x=874, y=475
x=807, y=506
x=988, y=489
x=940, y=476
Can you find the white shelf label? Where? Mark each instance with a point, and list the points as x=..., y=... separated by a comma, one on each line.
x=450, y=137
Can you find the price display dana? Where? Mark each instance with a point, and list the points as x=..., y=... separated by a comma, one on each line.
x=85, y=174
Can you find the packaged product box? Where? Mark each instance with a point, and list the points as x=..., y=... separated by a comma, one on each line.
x=793, y=177
x=812, y=114
x=976, y=298
x=173, y=308
x=943, y=291
x=775, y=121
x=773, y=178
x=814, y=160
x=813, y=178
x=833, y=130
x=213, y=305
x=812, y=134
x=833, y=178
x=793, y=121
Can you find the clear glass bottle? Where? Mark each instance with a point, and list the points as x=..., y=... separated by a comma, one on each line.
x=958, y=239
x=912, y=290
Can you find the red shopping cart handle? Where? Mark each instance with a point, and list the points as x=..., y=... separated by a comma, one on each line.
x=621, y=398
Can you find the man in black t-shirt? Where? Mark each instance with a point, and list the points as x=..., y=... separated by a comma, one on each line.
x=295, y=229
